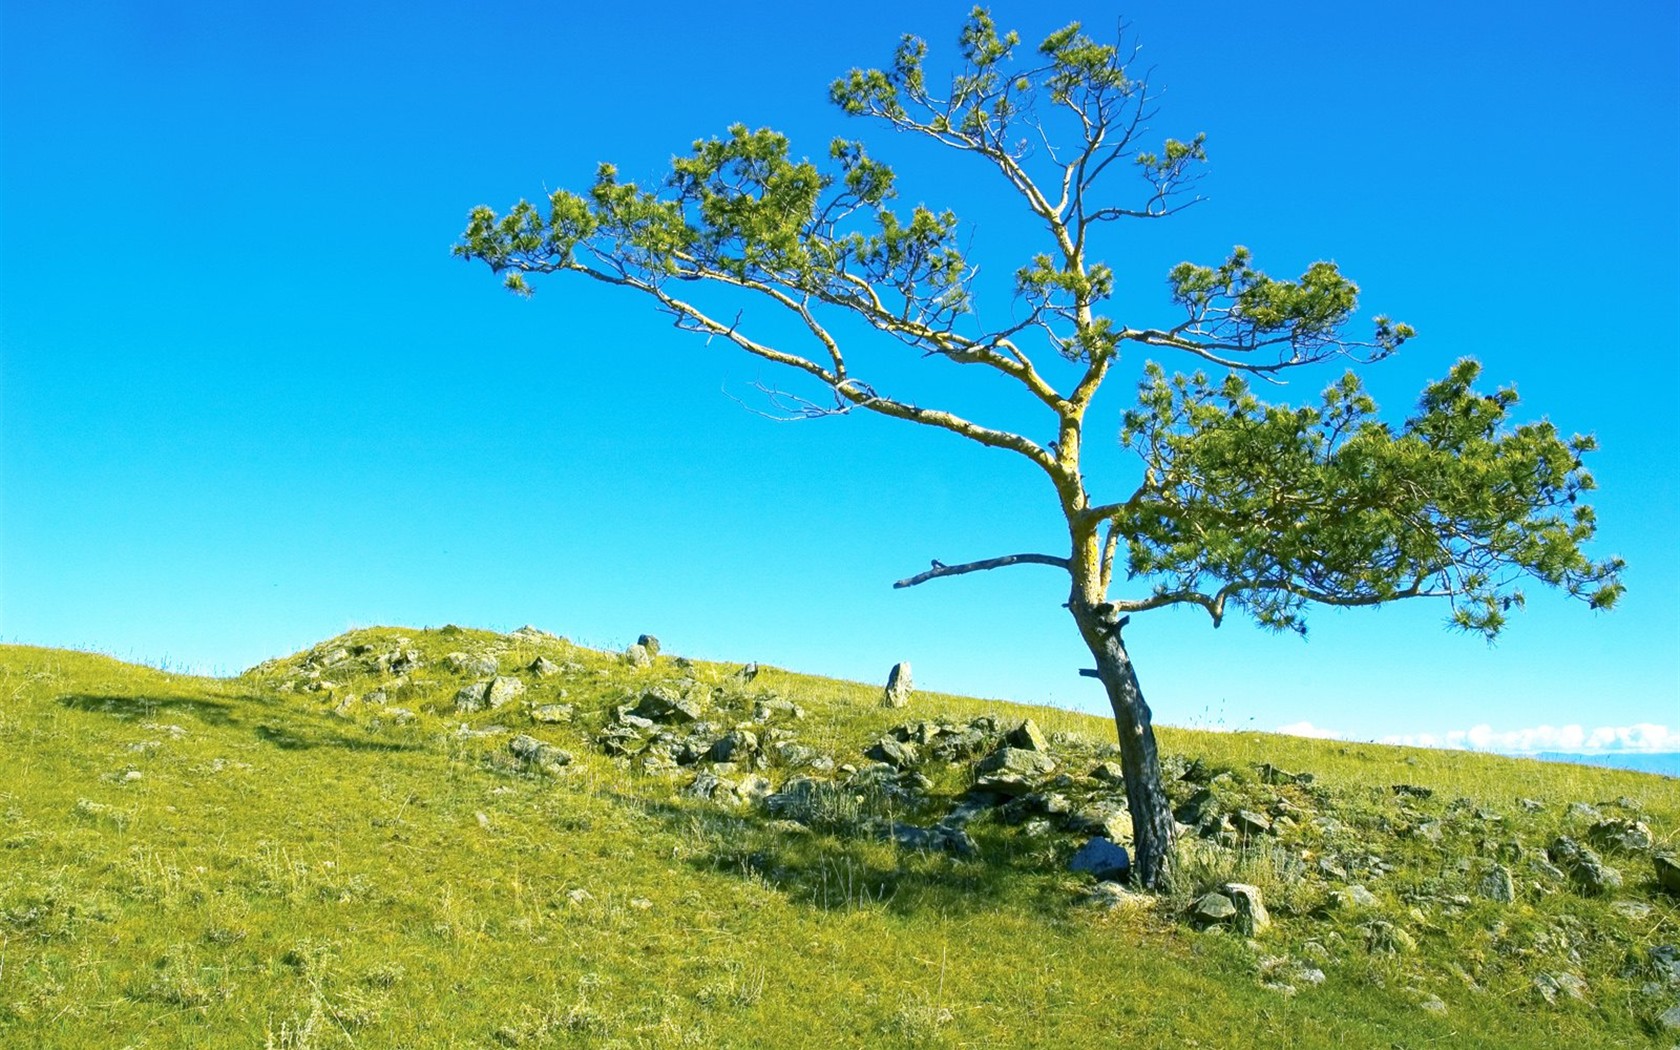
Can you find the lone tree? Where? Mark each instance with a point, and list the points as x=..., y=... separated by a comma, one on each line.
x=1237, y=503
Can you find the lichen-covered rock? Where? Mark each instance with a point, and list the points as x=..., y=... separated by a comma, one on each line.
x=501, y=690
x=1628, y=836
x=543, y=667
x=661, y=704
x=938, y=839
x=1585, y=868
x=1668, y=873
x=552, y=714
x=738, y=745
x=482, y=664
x=536, y=753
x=898, y=754
x=1252, y=917
x=1497, y=885
x=638, y=656
x=899, y=686
x=1028, y=737
x=471, y=697
x=1213, y=909
x=1013, y=770
x=650, y=643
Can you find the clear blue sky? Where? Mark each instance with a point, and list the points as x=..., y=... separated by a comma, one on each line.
x=249, y=400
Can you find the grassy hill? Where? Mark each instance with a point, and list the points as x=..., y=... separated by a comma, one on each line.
x=453, y=838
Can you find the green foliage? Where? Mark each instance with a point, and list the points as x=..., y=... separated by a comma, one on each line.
x=1269, y=506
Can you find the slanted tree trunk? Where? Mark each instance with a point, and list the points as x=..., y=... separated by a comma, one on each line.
x=1146, y=797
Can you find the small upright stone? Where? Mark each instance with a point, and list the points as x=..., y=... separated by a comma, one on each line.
x=747, y=673
x=1252, y=917
x=1668, y=873
x=1498, y=885
x=638, y=656
x=543, y=667
x=650, y=643
x=897, y=692
x=471, y=697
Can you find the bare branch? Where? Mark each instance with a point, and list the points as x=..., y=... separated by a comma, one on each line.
x=941, y=569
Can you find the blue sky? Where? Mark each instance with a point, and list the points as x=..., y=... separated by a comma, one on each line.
x=247, y=400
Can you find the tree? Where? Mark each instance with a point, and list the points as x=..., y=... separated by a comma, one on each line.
x=1239, y=504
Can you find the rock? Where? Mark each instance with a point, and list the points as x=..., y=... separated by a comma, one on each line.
x=1549, y=985
x=746, y=673
x=1108, y=773
x=1584, y=867
x=901, y=755
x=937, y=839
x=1670, y=1018
x=1668, y=873
x=471, y=697
x=1355, y=897
x=650, y=643
x=1252, y=917
x=710, y=786
x=501, y=690
x=661, y=704
x=1270, y=774
x=1530, y=805
x=899, y=687
x=483, y=665
x=1105, y=819
x=1629, y=836
x=552, y=714
x=658, y=763
x=638, y=656
x=529, y=633
x=400, y=661
x=1198, y=809
x=1213, y=909
x=771, y=707
x=533, y=751
x=1012, y=770
x=1582, y=811
x=1632, y=911
x=1105, y=861
x=1028, y=737
x=543, y=667
x=1251, y=823
x=736, y=746
x=1498, y=885
x=1383, y=937
x=1111, y=896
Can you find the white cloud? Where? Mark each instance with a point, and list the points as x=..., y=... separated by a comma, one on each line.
x=1642, y=737
x=1307, y=729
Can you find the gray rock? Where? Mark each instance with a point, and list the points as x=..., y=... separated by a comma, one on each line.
x=1105, y=861
x=938, y=839
x=1584, y=867
x=746, y=673
x=1012, y=771
x=1383, y=937
x=711, y=786
x=1355, y=897
x=1670, y=1018
x=1668, y=873
x=552, y=714
x=1582, y=811
x=638, y=656
x=899, y=754
x=1213, y=908
x=1498, y=885
x=502, y=689
x=1252, y=917
x=1108, y=773
x=1111, y=896
x=899, y=686
x=1198, y=809
x=1251, y=823
x=1633, y=911
x=1629, y=836
x=472, y=697
x=735, y=746
x=660, y=704
x=650, y=643
x=461, y=663
x=1111, y=821
x=658, y=763
x=1028, y=737
x=1550, y=985
x=543, y=667
x=534, y=752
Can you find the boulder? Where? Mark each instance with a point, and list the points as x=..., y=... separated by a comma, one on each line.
x=1584, y=867
x=1012, y=770
x=650, y=643
x=1213, y=909
x=534, y=752
x=1108, y=773
x=938, y=839
x=660, y=704
x=471, y=697
x=1252, y=917
x=899, y=754
x=501, y=690
x=543, y=667
x=1105, y=861
x=638, y=656
x=746, y=673
x=1354, y=897
x=1628, y=836
x=1028, y=737
x=736, y=746
x=1668, y=873
x=552, y=714
x=482, y=664
x=1249, y=822
x=899, y=687
x=1498, y=885
x=1111, y=821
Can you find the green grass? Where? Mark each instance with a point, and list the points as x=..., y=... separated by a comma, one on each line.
x=249, y=862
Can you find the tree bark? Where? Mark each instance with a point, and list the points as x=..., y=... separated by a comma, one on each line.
x=1146, y=798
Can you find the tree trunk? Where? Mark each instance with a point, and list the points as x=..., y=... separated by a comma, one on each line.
x=1146, y=798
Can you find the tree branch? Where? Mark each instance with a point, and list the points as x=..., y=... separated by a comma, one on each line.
x=941, y=569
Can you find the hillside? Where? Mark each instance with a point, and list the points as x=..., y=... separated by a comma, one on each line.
x=454, y=838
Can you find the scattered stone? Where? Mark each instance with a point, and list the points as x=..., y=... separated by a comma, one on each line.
x=736, y=746
x=552, y=714
x=1028, y=737
x=1382, y=936
x=658, y=763
x=1629, y=836
x=1530, y=805
x=543, y=667
x=650, y=643
x=661, y=704
x=638, y=656
x=1109, y=773
x=483, y=665
x=534, y=752
x=502, y=690
x=1270, y=774
x=472, y=697
x=1199, y=809
x=579, y=896
x=1550, y=985
x=1355, y=897
x=1670, y=1018
x=1498, y=885
x=899, y=687
x=1105, y=861
x=1252, y=917
x=529, y=633
x=937, y=839
x=1584, y=867
x=1012, y=771
x=1582, y=811
x=1213, y=909
x=898, y=754
x=1632, y=911
x=1251, y=823
x=1412, y=790
x=746, y=673
x=1668, y=873
x=1110, y=821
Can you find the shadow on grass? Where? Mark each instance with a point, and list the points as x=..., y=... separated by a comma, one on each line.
x=863, y=867
x=294, y=735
